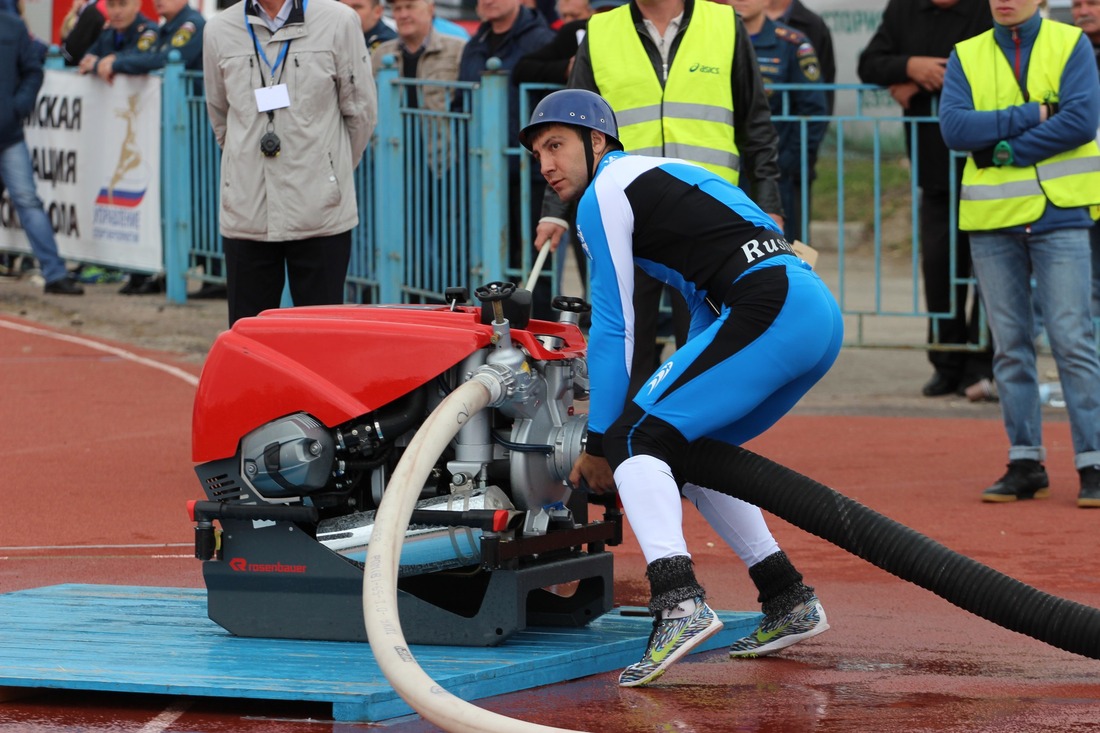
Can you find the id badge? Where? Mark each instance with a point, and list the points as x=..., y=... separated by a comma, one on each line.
x=272, y=98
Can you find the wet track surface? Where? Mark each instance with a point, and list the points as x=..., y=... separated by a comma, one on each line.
x=98, y=471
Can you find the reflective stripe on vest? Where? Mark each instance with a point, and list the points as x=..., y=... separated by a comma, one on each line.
x=996, y=198
x=692, y=117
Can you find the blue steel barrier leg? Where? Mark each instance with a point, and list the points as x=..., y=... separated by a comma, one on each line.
x=491, y=120
x=388, y=189
x=174, y=173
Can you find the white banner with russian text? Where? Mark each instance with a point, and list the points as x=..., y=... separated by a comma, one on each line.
x=95, y=148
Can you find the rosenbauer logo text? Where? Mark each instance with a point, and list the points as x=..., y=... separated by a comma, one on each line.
x=242, y=565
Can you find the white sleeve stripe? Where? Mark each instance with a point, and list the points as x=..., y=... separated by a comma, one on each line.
x=618, y=224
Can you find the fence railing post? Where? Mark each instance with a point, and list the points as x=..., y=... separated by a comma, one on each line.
x=490, y=116
x=388, y=186
x=175, y=170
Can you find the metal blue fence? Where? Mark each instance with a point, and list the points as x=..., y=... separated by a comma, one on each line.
x=429, y=200
x=434, y=213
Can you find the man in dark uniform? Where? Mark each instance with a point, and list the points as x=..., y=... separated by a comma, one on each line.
x=375, y=29
x=182, y=31
x=796, y=15
x=127, y=29
x=786, y=56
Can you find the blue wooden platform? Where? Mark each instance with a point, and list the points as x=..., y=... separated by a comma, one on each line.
x=160, y=641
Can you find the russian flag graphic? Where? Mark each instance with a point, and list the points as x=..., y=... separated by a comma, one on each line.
x=119, y=197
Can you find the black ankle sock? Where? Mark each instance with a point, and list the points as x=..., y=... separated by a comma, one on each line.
x=780, y=585
x=671, y=580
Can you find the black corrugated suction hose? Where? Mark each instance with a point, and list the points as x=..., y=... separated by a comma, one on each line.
x=895, y=548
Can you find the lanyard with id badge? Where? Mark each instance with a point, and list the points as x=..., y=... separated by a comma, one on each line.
x=273, y=97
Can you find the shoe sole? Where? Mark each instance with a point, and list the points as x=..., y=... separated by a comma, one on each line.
x=1088, y=503
x=1003, y=498
x=784, y=642
x=714, y=627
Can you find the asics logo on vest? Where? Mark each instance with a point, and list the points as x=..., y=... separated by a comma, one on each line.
x=702, y=69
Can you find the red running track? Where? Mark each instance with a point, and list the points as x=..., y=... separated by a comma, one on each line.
x=97, y=470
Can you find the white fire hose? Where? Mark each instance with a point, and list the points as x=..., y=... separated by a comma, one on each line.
x=387, y=641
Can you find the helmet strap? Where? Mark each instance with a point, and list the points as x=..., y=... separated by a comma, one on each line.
x=589, y=154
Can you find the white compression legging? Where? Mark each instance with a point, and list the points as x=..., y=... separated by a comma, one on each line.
x=651, y=499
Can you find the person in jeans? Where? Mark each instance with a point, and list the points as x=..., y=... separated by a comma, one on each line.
x=1023, y=98
x=1086, y=16
x=20, y=79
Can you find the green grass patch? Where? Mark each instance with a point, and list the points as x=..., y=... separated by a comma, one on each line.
x=858, y=185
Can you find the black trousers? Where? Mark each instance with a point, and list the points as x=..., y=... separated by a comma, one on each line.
x=959, y=328
x=256, y=272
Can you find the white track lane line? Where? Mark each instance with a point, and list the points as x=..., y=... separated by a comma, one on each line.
x=171, y=714
x=121, y=353
x=24, y=548
x=146, y=546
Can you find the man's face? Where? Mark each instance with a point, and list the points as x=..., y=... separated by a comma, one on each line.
x=560, y=154
x=169, y=8
x=370, y=12
x=571, y=10
x=1086, y=16
x=121, y=13
x=413, y=18
x=494, y=10
x=1012, y=13
x=749, y=10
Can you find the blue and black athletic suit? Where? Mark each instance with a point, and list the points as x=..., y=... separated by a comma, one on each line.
x=764, y=327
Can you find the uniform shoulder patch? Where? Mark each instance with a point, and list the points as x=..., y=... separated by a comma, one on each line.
x=790, y=35
x=185, y=33
x=146, y=40
x=811, y=69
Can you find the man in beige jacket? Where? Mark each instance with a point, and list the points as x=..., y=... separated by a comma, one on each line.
x=421, y=52
x=293, y=104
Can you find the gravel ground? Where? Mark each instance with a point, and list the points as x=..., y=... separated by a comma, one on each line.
x=145, y=321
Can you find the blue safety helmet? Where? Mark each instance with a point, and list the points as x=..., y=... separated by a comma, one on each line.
x=578, y=107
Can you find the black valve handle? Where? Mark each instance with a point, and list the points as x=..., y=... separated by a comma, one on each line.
x=495, y=291
x=570, y=304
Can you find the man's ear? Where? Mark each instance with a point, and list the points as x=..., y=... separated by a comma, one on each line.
x=599, y=142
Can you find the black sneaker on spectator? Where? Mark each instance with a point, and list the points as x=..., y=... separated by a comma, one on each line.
x=940, y=384
x=143, y=285
x=63, y=286
x=208, y=291
x=1024, y=479
x=1089, y=496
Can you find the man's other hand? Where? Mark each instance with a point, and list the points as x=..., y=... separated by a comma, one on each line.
x=549, y=230
x=594, y=471
x=927, y=71
x=87, y=64
x=106, y=68
x=904, y=92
